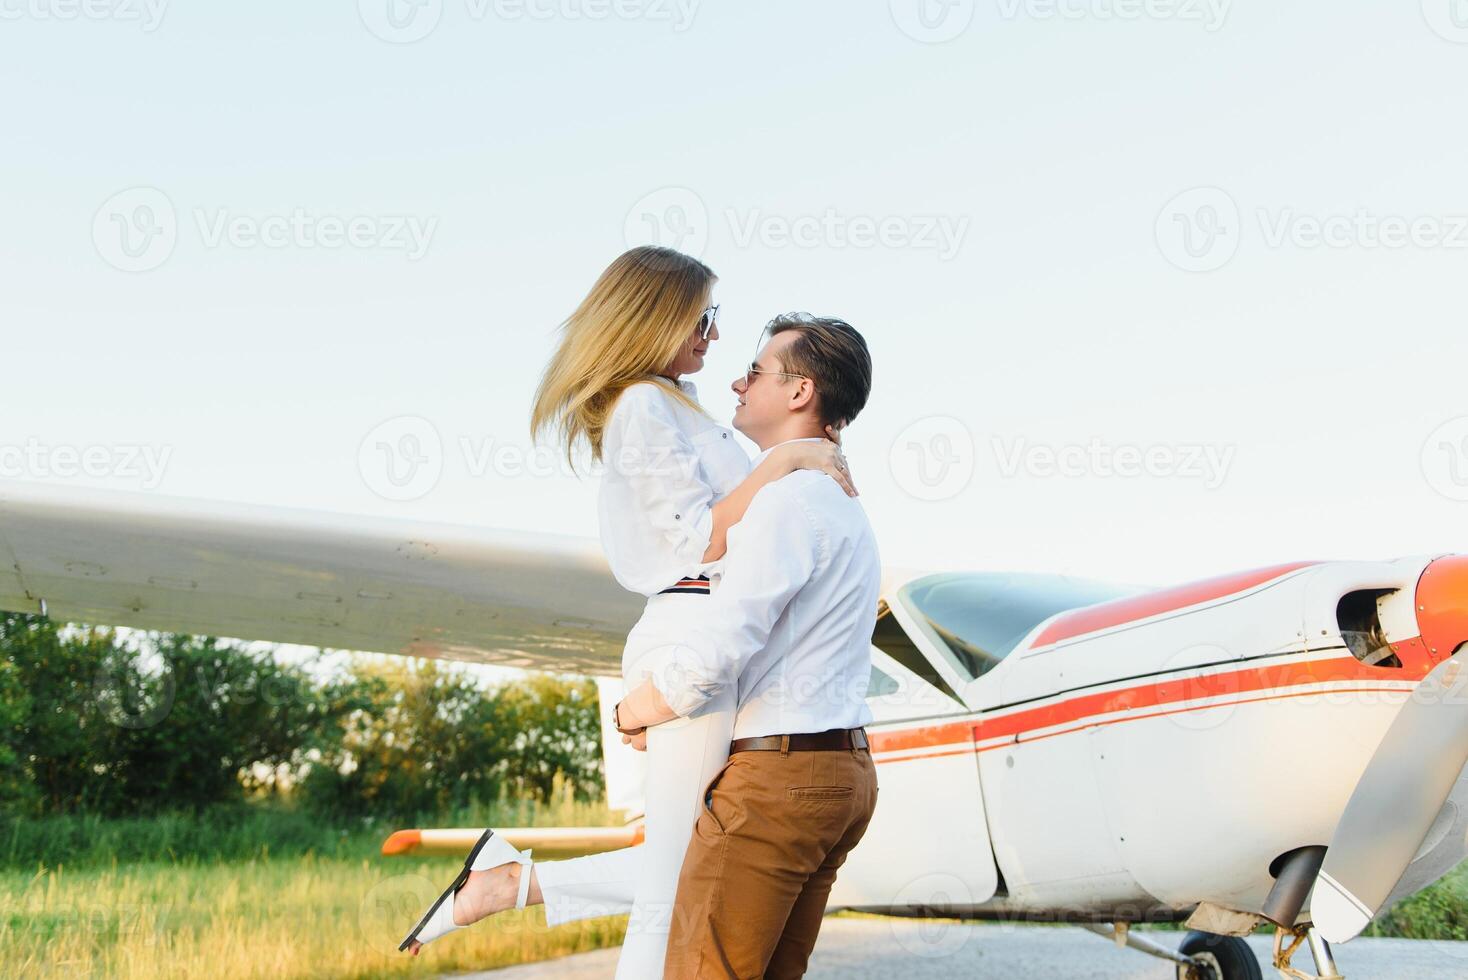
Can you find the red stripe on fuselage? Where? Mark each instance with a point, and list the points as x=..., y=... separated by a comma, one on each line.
x=1119, y=612
x=1175, y=692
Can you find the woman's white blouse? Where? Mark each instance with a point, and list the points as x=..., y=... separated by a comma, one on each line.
x=664, y=467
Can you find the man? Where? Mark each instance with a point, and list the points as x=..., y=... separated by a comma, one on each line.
x=789, y=626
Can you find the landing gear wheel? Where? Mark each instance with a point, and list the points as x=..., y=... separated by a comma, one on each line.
x=1223, y=958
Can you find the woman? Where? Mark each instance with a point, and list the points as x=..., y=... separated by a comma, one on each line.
x=674, y=483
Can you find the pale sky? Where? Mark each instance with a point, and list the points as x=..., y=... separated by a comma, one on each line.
x=1223, y=242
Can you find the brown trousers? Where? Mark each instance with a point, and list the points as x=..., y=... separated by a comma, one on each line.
x=774, y=829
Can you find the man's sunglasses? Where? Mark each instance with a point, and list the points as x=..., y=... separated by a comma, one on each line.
x=751, y=371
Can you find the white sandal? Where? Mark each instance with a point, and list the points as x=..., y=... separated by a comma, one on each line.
x=490, y=851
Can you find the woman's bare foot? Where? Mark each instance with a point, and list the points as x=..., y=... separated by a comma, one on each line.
x=489, y=892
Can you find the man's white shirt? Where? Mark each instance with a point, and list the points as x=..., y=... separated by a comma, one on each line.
x=791, y=619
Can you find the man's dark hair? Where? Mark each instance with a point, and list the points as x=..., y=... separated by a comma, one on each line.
x=833, y=355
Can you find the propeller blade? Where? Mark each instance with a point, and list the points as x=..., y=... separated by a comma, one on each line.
x=1399, y=795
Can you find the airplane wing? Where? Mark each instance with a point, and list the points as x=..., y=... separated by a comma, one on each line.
x=328, y=580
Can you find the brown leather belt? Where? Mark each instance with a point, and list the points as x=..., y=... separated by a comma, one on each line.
x=831, y=741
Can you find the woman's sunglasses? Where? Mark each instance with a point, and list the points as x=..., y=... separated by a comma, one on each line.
x=708, y=321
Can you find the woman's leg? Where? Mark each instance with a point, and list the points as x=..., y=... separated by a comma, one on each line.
x=579, y=888
x=590, y=886
x=683, y=756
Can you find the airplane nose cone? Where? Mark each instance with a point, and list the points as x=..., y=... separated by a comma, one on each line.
x=1442, y=605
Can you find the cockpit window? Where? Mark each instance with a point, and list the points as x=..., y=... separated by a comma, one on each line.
x=978, y=618
x=892, y=639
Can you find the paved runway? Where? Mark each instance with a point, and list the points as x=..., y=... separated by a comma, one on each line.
x=868, y=949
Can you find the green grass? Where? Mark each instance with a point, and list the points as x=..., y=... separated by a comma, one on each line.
x=253, y=892
x=245, y=832
x=258, y=892
x=223, y=834
x=297, y=917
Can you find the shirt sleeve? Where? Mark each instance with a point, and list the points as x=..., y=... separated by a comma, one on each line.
x=655, y=460
x=773, y=552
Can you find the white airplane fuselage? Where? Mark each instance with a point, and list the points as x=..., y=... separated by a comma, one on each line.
x=1130, y=760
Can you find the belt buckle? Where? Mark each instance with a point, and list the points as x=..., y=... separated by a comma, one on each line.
x=859, y=738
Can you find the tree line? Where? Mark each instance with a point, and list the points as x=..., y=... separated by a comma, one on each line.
x=121, y=724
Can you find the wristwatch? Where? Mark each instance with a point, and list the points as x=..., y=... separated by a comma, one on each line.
x=617, y=722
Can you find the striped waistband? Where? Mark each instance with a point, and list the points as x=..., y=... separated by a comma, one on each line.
x=689, y=586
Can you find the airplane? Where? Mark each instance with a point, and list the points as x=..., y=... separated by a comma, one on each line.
x=1280, y=746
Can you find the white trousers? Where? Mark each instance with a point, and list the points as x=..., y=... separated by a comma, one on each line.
x=683, y=756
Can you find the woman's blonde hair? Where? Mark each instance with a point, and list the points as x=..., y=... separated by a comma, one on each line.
x=629, y=328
